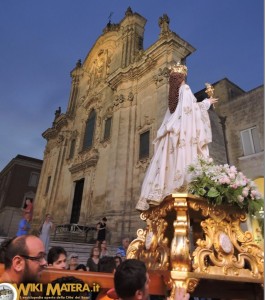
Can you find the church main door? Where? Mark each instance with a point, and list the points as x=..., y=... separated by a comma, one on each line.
x=79, y=186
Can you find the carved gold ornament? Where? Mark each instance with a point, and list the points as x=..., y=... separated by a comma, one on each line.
x=217, y=248
x=225, y=243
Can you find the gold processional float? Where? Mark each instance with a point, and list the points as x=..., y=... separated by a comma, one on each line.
x=201, y=247
x=190, y=241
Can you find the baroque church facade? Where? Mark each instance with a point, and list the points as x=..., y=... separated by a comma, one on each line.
x=98, y=151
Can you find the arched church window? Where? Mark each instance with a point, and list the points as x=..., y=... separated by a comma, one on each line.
x=89, y=132
x=107, y=129
x=72, y=149
x=144, y=145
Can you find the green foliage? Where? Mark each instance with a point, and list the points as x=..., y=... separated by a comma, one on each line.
x=223, y=184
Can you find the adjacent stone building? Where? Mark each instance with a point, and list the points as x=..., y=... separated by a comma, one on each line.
x=18, y=182
x=245, y=131
x=97, y=151
x=242, y=116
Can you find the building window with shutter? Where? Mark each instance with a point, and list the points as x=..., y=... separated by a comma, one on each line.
x=250, y=141
x=89, y=132
x=144, y=145
x=34, y=179
x=107, y=129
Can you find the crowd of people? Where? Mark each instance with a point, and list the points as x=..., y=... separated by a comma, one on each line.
x=99, y=257
x=45, y=229
x=99, y=260
x=24, y=259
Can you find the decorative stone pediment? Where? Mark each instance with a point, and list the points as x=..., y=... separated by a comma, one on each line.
x=137, y=70
x=145, y=124
x=143, y=163
x=61, y=121
x=58, y=124
x=49, y=133
x=85, y=160
x=92, y=101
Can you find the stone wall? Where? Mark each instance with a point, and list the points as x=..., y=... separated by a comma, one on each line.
x=243, y=112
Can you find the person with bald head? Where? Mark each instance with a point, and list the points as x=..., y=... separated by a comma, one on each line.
x=24, y=259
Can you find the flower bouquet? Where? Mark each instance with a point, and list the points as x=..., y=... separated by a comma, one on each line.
x=223, y=184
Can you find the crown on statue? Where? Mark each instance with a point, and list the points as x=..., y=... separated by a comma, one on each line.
x=178, y=68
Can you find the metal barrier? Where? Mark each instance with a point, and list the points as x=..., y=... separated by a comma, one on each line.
x=71, y=232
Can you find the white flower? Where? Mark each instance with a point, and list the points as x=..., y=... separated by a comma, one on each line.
x=210, y=160
x=240, y=198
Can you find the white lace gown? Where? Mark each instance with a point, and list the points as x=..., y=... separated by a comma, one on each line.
x=183, y=136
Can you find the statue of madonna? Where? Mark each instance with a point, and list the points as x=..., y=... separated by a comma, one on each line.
x=183, y=136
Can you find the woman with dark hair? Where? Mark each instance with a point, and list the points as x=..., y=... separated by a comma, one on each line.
x=183, y=136
x=101, y=230
x=93, y=261
x=117, y=260
x=107, y=264
x=28, y=207
x=56, y=257
x=103, y=249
